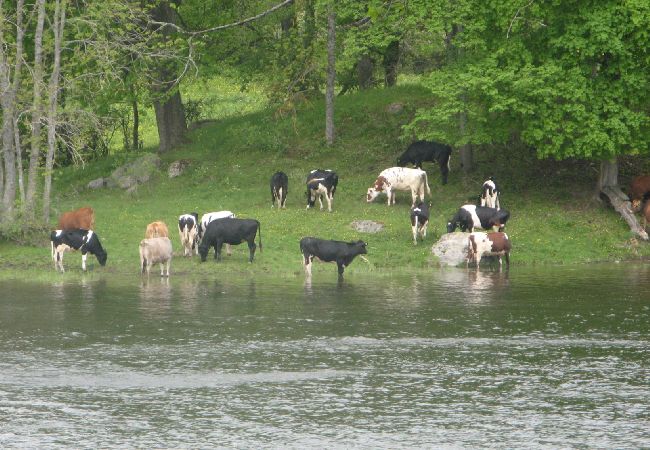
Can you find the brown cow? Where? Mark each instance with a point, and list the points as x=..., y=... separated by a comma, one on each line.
x=645, y=212
x=156, y=229
x=481, y=244
x=639, y=191
x=83, y=218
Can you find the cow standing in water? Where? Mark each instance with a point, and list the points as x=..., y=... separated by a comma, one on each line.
x=420, y=151
x=86, y=241
x=230, y=231
x=343, y=253
x=157, y=250
x=321, y=183
x=488, y=244
x=279, y=189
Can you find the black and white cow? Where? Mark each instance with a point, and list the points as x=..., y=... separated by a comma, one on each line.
x=490, y=194
x=469, y=217
x=343, y=253
x=419, y=221
x=230, y=231
x=420, y=151
x=279, y=189
x=188, y=231
x=78, y=239
x=321, y=183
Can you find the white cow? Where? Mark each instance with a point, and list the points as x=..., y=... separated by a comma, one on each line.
x=155, y=250
x=400, y=179
x=209, y=217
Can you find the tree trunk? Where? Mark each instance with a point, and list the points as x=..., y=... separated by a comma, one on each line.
x=37, y=111
x=391, y=60
x=365, y=68
x=53, y=90
x=466, y=152
x=170, y=120
x=19, y=162
x=331, y=75
x=608, y=187
x=168, y=105
x=136, y=126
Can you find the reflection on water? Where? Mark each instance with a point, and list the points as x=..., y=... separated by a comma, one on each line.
x=526, y=358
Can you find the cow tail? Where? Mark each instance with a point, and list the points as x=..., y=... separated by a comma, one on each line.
x=52, y=244
x=426, y=183
x=259, y=230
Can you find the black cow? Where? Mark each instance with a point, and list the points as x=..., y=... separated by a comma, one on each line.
x=330, y=251
x=469, y=217
x=420, y=151
x=229, y=231
x=419, y=220
x=279, y=189
x=321, y=183
x=77, y=239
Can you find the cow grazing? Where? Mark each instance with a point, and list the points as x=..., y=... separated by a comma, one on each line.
x=490, y=194
x=188, y=231
x=230, y=231
x=400, y=179
x=469, y=217
x=279, y=189
x=156, y=229
x=343, y=253
x=419, y=221
x=420, y=151
x=321, y=183
x=155, y=250
x=488, y=244
x=79, y=239
x=639, y=191
x=83, y=218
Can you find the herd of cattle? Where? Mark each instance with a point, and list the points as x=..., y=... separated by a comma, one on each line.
x=214, y=229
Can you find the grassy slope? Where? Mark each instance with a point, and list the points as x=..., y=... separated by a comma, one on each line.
x=234, y=159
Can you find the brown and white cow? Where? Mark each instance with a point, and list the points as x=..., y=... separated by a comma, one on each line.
x=156, y=229
x=155, y=250
x=639, y=191
x=400, y=179
x=82, y=218
x=481, y=244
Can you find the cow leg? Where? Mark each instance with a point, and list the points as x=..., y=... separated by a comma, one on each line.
x=217, y=250
x=228, y=250
x=162, y=269
x=329, y=198
x=307, y=260
x=507, y=255
x=251, y=249
x=424, y=229
x=414, y=230
x=284, y=198
x=341, y=267
x=83, y=261
x=320, y=201
x=273, y=197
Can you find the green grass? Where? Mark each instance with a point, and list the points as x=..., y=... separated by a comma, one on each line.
x=553, y=217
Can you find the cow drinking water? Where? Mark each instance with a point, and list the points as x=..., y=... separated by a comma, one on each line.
x=343, y=253
x=86, y=241
x=420, y=151
x=321, y=183
x=400, y=179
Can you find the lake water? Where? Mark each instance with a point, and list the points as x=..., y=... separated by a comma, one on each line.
x=531, y=358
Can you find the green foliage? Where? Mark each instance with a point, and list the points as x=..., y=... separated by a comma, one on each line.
x=569, y=79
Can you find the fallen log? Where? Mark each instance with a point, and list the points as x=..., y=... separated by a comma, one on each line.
x=621, y=203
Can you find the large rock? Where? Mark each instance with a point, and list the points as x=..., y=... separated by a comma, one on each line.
x=451, y=248
x=137, y=172
x=367, y=226
x=97, y=183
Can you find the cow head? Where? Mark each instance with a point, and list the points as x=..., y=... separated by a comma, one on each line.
x=451, y=227
x=401, y=161
x=361, y=246
x=636, y=205
x=93, y=246
x=380, y=184
x=311, y=198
